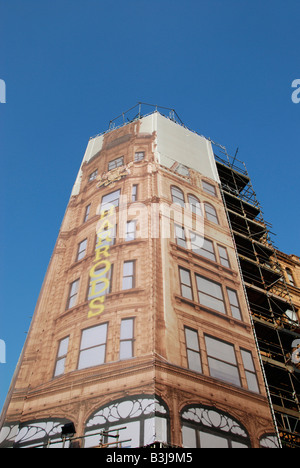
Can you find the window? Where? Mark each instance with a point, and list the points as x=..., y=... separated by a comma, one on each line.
x=206, y=427
x=209, y=188
x=139, y=155
x=290, y=276
x=180, y=236
x=106, y=237
x=234, y=304
x=210, y=294
x=110, y=199
x=223, y=256
x=126, y=338
x=86, y=214
x=128, y=275
x=182, y=170
x=134, y=193
x=250, y=371
x=73, y=294
x=100, y=286
x=192, y=349
x=222, y=361
x=292, y=316
x=202, y=246
x=81, y=249
x=61, y=357
x=130, y=230
x=195, y=206
x=116, y=163
x=93, y=175
x=93, y=346
x=177, y=196
x=145, y=419
x=211, y=213
x=185, y=283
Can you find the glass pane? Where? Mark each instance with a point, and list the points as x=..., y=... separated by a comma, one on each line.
x=209, y=287
x=186, y=292
x=220, y=350
x=189, y=437
x=74, y=288
x=128, y=269
x=238, y=445
x=93, y=336
x=252, y=382
x=127, y=283
x=185, y=277
x=192, y=339
x=212, y=303
x=194, y=361
x=126, y=350
x=63, y=347
x=208, y=188
x=223, y=371
x=212, y=441
x=126, y=329
x=60, y=367
x=92, y=357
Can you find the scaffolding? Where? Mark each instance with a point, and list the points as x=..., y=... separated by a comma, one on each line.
x=267, y=293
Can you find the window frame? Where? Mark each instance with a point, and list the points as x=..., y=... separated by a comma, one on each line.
x=175, y=199
x=190, y=350
x=133, y=276
x=61, y=357
x=117, y=162
x=94, y=346
x=130, y=339
x=81, y=252
x=186, y=285
x=74, y=295
x=211, y=296
x=213, y=372
x=212, y=215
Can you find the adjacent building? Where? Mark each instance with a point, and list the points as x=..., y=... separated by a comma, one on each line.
x=155, y=310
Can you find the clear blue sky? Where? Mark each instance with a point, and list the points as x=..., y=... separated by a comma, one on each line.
x=225, y=66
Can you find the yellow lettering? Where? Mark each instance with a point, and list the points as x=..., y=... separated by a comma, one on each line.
x=93, y=285
x=106, y=213
x=97, y=267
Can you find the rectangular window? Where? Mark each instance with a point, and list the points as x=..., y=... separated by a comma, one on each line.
x=116, y=163
x=134, y=193
x=73, y=294
x=93, y=175
x=61, y=357
x=202, y=246
x=100, y=286
x=192, y=349
x=130, y=230
x=139, y=155
x=86, y=214
x=180, y=236
x=222, y=361
x=126, y=338
x=93, y=346
x=223, y=256
x=210, y=294
x=185, y=283
x=209, y=188
x=106, y=237
x=128, y=275
x=110, y=199
x=81, y=249
x=234, y=304
x=250, y=371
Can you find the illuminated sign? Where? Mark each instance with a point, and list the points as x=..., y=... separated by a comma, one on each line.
x=101, y=268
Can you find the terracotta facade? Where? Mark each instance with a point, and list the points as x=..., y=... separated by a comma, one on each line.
x=170, y=305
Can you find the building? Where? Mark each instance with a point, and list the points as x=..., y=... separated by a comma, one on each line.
x=145, y=320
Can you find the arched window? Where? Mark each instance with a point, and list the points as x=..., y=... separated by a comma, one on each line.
x=177, y=195
x=204, y=427
x=269, y=441
x=195, y=206
x=145, y=418
x=210, y=213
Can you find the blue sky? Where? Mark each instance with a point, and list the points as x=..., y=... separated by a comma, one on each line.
x=225, y=66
